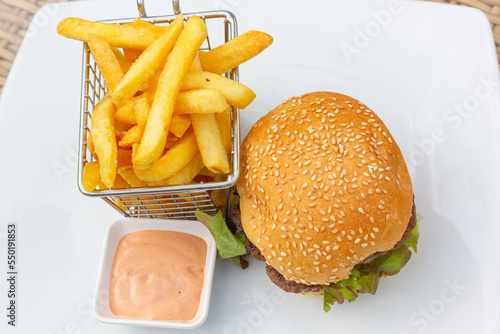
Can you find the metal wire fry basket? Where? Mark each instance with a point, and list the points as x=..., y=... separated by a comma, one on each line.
x=179, y=201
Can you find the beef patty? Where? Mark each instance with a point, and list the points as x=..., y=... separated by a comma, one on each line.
x=291, y=286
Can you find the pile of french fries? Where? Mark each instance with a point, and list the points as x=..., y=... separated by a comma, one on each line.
x=165, y=118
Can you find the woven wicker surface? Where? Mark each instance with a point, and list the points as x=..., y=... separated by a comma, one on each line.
x=16, y=15
x=492, y=10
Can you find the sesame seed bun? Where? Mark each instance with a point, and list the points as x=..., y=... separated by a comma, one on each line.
x=324, y=186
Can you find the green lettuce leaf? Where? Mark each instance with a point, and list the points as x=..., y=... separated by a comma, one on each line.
x=240, y=237
x=395, y=260
x=229, y=245
x=364, y=277
x=239, y=261
x=328, y=298
x=370, y=275
x=346, y=289
x=412, y=242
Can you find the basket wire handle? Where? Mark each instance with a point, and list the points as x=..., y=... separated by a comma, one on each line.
x=177, y=7
x=141, y=8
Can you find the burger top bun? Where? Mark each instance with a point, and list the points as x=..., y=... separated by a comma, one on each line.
x=323, y=186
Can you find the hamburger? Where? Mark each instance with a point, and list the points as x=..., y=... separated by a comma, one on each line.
x=326, y=199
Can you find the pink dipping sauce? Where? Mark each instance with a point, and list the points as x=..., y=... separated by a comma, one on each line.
x=158, y=275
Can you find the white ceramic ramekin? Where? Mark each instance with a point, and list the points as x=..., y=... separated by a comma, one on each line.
x=124, y=226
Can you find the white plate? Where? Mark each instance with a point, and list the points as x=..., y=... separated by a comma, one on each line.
x=429, y=71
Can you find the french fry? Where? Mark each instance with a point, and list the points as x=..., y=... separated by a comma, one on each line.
x=90, y=144
x=131, y=54
x=124, y=158
x=147, y=63
x=236, y=94
x=118, y=53
x=154, y=205
x=119, y=35
x=171, y=139
x=128, y=174
x=122, y=127
x=203, y=179
x=119, y=203
x=207, y=173
x=196, y=64
x=179, y=125
x=152, y=81
x=224, y=124
x=183, y=151
x=106, y=60
x=103, y=134
x=141, y=111
x=185, y=175
x=210, y=143
x=119, y=135
x=233, y=199
x=91, y=176
x=188, y=102
x=132, y=136
x=200, y=101
x=141, y=23
x=125, y=65
x=219, y=195
x=126, y=113
x=162, y=109
x=235, y=52
x=120, y=183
